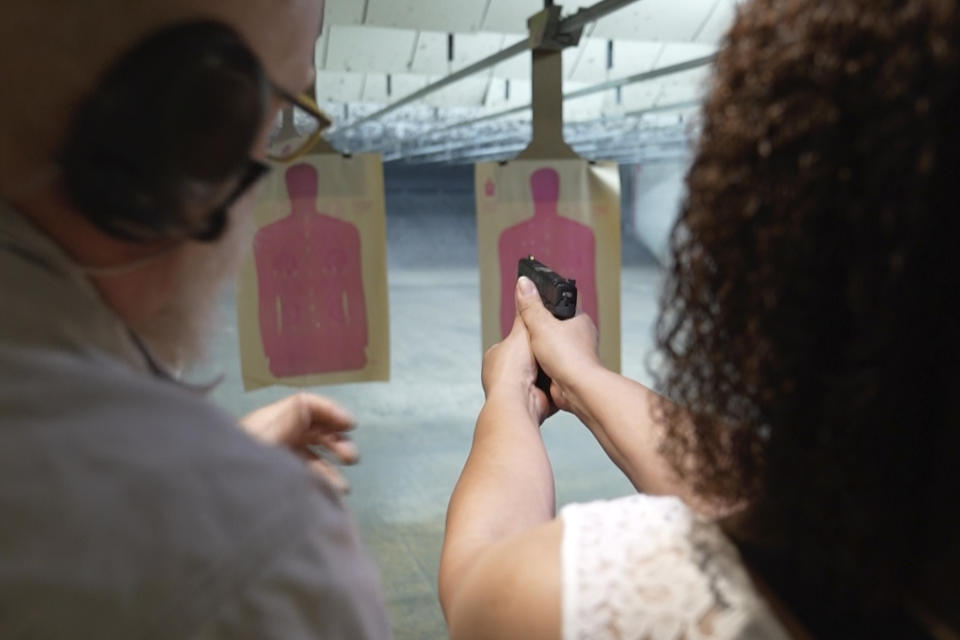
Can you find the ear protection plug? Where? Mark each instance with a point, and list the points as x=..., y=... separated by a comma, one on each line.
x=161, y=149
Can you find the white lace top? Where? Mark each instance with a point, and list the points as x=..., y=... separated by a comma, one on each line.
x=648, y=568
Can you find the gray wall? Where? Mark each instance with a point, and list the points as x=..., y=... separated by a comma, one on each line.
x=657, y=192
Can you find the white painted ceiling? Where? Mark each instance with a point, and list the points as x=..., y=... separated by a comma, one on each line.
x=373, y=52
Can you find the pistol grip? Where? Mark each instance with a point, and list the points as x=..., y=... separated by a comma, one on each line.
x=543, y=383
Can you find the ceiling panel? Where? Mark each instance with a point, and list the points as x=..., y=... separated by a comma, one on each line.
x=339, y=86
x=516, y=68
x=320, y=49
x=677, y=52
x=469, y=48
x=635, y=96
x=719, y=23
x=703, y=20
x=376, y=85
x=403, y=84
x=496, y=95
x=453, y=16
x=510, y=16
x=682, y=87
x=630, y=57
x=587, y=62
x=343, y=12
x=430, y=54
x=586, y=108
x=497, y=98
x=375, y=88
x=369, y=49
x=431, y=51
x=347, y=48
x=656, y=20
x=467, y=93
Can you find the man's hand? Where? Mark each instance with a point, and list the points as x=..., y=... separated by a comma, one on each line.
x=565, y=349
x=304, y=423
x=510, y=371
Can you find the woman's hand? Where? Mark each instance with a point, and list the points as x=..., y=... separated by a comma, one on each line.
x=510, y=372
x=565, y=349
x=306, y=423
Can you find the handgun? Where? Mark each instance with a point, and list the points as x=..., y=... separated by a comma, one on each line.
x=559, y=296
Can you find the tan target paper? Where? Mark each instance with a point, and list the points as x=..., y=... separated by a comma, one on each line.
x=312, y=300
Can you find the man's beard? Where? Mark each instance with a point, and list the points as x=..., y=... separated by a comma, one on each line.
x=178, y=334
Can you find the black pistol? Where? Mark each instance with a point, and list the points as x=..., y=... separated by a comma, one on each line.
x=559, y=296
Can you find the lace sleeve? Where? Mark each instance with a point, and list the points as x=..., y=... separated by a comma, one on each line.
x=647, y=568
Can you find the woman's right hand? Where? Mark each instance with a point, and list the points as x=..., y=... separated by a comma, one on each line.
x=565, y=349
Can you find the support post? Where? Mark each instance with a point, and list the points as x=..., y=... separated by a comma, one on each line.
x=547, y=44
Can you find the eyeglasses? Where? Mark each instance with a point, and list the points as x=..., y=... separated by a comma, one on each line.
x=295, y=132
x=297, y=129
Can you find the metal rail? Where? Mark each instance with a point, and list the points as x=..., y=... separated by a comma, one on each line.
x=643, y=77
x=677, y=146
x=583, y=17
x=569, y=24
x=632, y=137
x=586, y=91
x=398, y=153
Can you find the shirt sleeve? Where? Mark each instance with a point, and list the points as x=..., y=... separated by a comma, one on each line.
x=647, y=568
x=319, y=584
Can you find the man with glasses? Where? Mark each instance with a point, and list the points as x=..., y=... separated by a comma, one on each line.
x=132, y=136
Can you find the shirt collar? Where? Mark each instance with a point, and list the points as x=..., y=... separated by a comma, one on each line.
x=54, y=301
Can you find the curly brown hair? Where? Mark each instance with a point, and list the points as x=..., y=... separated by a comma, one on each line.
x=809, y=325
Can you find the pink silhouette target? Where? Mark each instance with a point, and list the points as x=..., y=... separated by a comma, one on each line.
x=313, y=316
x=566, y=246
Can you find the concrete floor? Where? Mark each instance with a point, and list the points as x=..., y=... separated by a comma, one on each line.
x=415, y=431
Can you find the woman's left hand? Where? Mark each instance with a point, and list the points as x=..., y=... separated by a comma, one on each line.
x=306, y=424
x=510, y=374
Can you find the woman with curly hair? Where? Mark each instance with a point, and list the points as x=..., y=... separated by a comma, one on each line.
x=798, y=482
